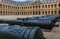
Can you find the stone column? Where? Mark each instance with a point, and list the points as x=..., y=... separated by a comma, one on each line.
x=2, y=6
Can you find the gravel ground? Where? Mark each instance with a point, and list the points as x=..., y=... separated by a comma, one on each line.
x=54, y=34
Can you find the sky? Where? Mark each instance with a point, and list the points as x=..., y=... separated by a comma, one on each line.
x=20, y=0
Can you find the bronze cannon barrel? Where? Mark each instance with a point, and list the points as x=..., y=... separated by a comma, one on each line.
x=18, y=32
x=44, y=24
x=47, y=17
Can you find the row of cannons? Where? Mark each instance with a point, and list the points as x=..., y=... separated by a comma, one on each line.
x=47, y=22
x=27, y=28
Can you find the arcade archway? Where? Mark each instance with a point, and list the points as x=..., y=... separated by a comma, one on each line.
x=59, y=11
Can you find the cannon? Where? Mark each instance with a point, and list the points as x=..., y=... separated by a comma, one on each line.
x=51, y=17
x=11, y=22
x=54, y=17
x=34, y=18
x=44, y=24
x=18, y=32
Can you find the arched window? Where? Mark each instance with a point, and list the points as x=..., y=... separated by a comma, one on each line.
x=33, y=12
x=36, y=6
x=22, y=7
x=6, y=12
x=0, y=12
x=45, y=12
x=52, y=12
x=39, y=6
x=52, y=6
x=59, y=4
x=6, y=6
x=55, y=5
x=39, y=13
x=18, y=7
x=42, y=12
x=48, y=11
x=22, y=13
x=48, y=6
x=33, y=7
x=28, y=7
x=18, y=13
x=45, y=6
x=36, y=12
x=3, y=12
x=55, y=11
x=3, y=6
x=0, y=5
x=59, y=11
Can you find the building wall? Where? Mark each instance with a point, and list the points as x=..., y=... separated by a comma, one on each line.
x=31, y=9
x=41, y=9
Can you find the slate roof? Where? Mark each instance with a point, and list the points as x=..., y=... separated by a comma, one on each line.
x=29, y=2
x=37, y=1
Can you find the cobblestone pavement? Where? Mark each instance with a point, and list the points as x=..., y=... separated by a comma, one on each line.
x=54, y=34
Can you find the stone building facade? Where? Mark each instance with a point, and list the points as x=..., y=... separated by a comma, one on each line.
x=29, y=8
